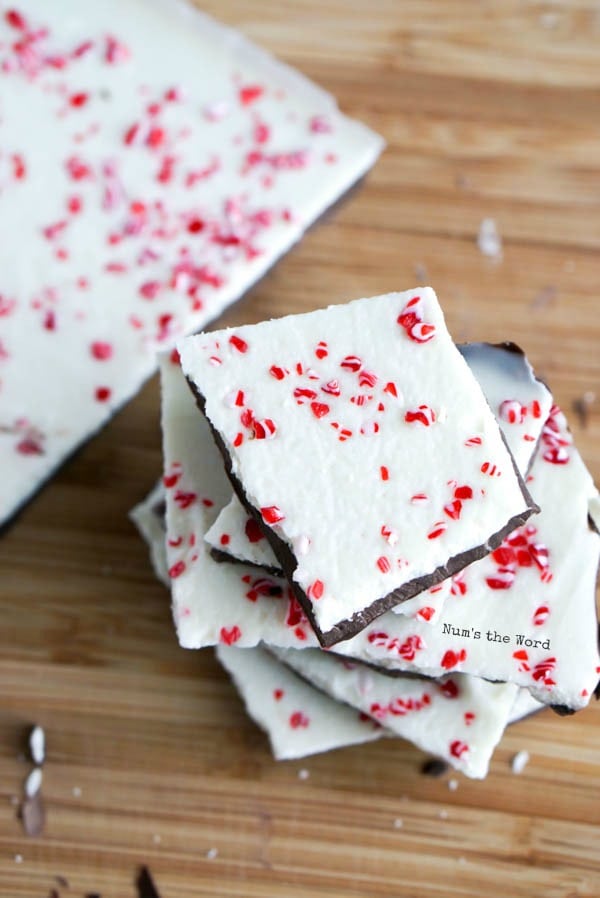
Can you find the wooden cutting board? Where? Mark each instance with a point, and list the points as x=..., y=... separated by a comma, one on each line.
x=490, y=110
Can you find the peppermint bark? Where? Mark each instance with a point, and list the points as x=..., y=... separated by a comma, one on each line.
x=365, y=449
x=149, y=196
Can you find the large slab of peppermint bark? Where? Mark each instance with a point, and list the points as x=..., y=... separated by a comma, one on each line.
x=153, y=165
x=364, y=445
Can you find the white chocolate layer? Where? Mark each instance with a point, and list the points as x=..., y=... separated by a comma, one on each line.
x=154, y=164
x=299, y=719
x=459, y=718
x=365, y=442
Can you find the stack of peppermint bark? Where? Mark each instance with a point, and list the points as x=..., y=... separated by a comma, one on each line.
x=382, y=533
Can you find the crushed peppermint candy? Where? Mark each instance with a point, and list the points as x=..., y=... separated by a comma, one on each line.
x=519, y=761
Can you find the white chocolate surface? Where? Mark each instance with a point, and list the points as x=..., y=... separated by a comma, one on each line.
x=364, y=440
x=139, y=199
x=459, y=718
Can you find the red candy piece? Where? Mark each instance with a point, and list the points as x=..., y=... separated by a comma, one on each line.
x=271, y=514
x=231, y=635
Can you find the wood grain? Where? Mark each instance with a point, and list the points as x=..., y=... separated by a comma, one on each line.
x=489, y=109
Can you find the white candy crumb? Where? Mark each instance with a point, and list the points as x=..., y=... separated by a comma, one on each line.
x=37, y=745
x=303, y=774
x=211, y=854
x=156, y=839
x=18, y=858
x=443, y=814
x=33, y=783
x=549, y=19
x=453, y=785
x=398, y=823
x=76, y=792
x=488, y=239
x=520, y=761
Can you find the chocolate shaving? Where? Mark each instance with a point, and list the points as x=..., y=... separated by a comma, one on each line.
x=33, y=815
x=145, y=884
x=434, y=767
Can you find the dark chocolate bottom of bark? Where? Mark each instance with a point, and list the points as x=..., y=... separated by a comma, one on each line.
x=345, y=629
x=225, y=558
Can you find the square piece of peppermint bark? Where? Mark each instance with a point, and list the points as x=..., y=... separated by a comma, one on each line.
x=365, y=448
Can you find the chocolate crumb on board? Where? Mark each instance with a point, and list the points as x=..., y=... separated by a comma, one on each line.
x=434, y=767
x=145, y=884
x=582, y=406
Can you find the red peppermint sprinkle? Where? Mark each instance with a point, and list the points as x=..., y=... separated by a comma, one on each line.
x=277, y=372
x=459, y=586
x=332, y=388
x=271, y=514
x=50, y=320
x=319, y=409
x=419, y=499
x=451, y=659
x=252, y=530
x=453, y=509
x=316, y=589
x=321, y=351
x=367, y=379
x=504, y=579
x=278, y=694
x=101, y=350
x=150, y=289
x=78, y=100
x=102, y=394
x=247, y=417
x=463, y=492
x=540, y=615
x=542, y=671
x=384, y=564
x=29, y=445
x=184, y=499
x=225, y=539
x=384, y=473
x=512, y=411
x=410, y=647
x=426, y=612
x=473, y=441
x=18, y=166
x=458, y=748
x=239, y=439
x=231, y=635
x=423, y=415
x=469, y=717
x=303, y=394
x=195, y=226
x=391, y=388
x=171, y=480
x=449, y=689
x=115, y=52
x=176, y=570
x=250, y=94
x=238, y=343
x=14, y=18
x=351, y=363
x=265, y=429
x=490, y=469
x=208, y=503
x=298, y=719
x=437, y=530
